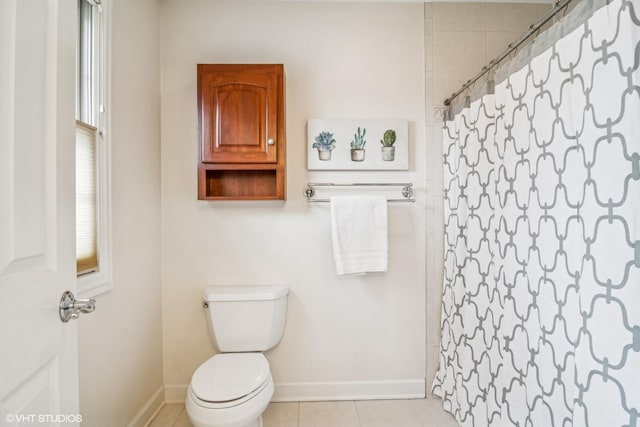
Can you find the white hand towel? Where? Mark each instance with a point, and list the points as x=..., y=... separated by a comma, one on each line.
x=359, y=234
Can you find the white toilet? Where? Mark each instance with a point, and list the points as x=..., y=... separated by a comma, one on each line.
x=233, y=389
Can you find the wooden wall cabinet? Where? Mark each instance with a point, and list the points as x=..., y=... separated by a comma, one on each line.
x=241, y=119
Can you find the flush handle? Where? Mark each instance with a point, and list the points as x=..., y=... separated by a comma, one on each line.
x=70, y=307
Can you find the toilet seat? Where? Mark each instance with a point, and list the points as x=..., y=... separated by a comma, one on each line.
x=246, y=413
x=229, y=379
x=268, y=385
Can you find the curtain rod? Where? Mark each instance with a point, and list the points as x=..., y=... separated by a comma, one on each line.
x=558, y=6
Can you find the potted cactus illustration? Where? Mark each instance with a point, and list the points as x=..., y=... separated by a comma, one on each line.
x=357, y=145
x=325, y=143
x=387, y=141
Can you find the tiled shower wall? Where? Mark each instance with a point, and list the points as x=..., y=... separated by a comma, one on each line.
x=460, y=38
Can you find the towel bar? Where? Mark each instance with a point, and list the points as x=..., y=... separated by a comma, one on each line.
x=407, y=190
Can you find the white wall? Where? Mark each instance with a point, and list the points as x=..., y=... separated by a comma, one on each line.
x=120, y=344
x=342, y=60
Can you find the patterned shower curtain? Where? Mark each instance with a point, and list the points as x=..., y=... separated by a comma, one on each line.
x=541, y=297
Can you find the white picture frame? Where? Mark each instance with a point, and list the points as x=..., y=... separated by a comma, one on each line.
x=342, y=132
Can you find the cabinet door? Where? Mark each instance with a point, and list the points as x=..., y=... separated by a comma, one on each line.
x=238, y=112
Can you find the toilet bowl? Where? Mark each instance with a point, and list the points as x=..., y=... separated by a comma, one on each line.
x=232, y=389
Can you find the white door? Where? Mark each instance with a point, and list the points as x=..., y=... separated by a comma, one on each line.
x=38, y=357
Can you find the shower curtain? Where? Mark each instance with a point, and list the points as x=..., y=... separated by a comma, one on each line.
x=541, y=296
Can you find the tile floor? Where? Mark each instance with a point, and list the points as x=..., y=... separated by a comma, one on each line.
x=367, y=413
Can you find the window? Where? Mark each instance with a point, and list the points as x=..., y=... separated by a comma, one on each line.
x=92, y=149
x=87, y=260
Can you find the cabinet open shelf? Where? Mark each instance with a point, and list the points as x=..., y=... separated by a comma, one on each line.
x=241, y=185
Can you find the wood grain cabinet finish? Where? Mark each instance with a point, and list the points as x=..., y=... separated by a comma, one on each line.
x=241, y=119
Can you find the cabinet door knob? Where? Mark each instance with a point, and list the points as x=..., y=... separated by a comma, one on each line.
x=271, y=141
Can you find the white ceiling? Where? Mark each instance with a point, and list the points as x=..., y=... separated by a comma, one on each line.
x=491, y=1
x=424, y=1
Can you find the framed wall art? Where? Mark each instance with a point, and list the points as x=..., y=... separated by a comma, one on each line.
x=354, y=144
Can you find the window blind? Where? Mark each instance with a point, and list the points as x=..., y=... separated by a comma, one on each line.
x=86, y=199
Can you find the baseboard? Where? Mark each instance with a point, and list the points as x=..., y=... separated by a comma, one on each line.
x=175, y=393
x=320, y=391
x=350, y=390
x=149, y=409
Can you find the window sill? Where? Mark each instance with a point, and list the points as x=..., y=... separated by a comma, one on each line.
x=94, y=284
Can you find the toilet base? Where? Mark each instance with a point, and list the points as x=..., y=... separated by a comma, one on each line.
x=256, y=423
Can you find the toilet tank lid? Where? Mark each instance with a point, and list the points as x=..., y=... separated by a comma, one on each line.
x=244, y=293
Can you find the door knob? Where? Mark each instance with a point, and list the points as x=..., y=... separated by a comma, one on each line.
x=70, y=307
x=271, y=141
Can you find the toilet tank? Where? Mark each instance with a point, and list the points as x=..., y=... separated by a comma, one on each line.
x=246, y=318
